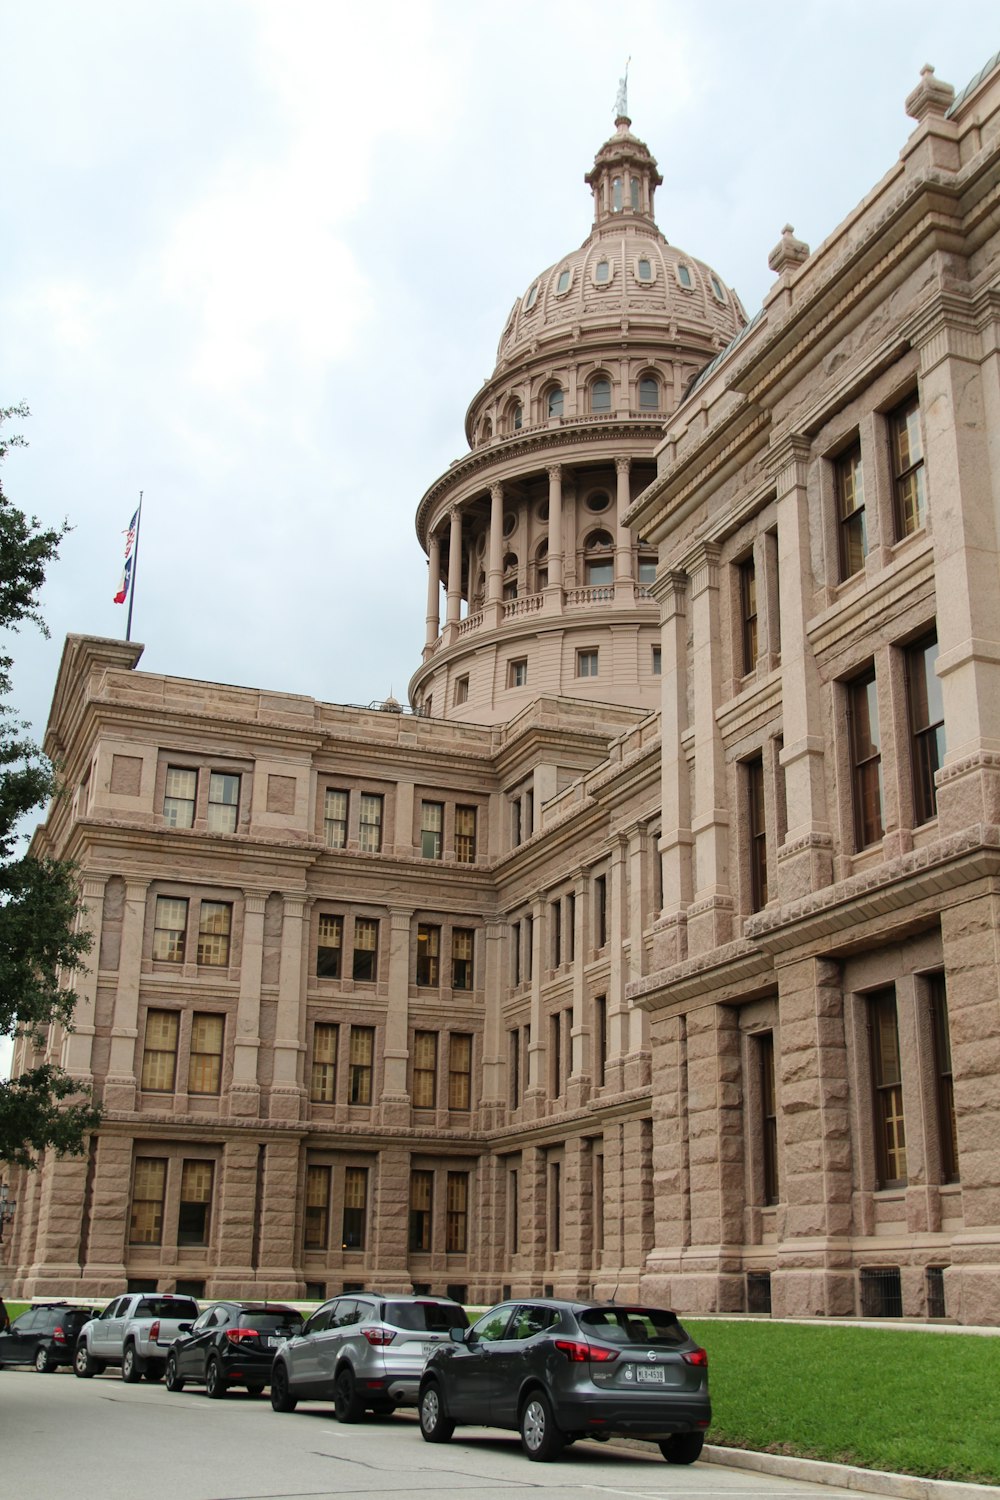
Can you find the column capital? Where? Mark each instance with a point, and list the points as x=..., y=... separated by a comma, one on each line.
x=623, y=464
x=496, y=490
x=135, y=890
x=255, y=901
x=400, y=918
x=92, y=886
x=671, y=589
x=296, y=904
x=703, y=567
x=554, y=472
x=787, y=460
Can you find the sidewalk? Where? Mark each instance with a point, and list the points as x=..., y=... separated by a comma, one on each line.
x=867, y=1481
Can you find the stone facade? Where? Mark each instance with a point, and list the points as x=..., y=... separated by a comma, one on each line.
x=654, y=947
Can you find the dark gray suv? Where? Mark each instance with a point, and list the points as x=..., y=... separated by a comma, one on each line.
x=558, y=1371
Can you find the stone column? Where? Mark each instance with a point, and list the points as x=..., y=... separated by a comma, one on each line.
x=455, y=568
x=120, y=1083
x=104, y=1270
x=494, y=560
x=389, y=1217
x=78, y=1044
x=395, y=1100
x=492, y=1105
x=581, y=1068
x=280, y=1220
x=287, y=1091
x=244, y=1096
x=637, y=1200
x=555, y=535
x=58, y=1251
x=433, y=589
x=532, y=1249
x=635, y=919
x=710, y=916
x=676, y=838
x=537, y=1083
x=234, y=1230
x=618, y=1037
x=578, y=1218
x=712, y=1278
x=624, y=584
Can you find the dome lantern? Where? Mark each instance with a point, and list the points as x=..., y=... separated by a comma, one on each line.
x=624, y=179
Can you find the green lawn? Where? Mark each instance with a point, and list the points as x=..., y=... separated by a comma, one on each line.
x=907, y=1401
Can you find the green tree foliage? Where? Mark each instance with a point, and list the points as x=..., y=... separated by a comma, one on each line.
x=39, y=897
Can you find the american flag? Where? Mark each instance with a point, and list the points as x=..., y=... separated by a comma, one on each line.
x=126, y=580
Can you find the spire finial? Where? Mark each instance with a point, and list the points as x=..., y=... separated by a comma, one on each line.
x=621, y=102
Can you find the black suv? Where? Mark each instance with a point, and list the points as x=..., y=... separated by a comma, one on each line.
x=44, y=1336
x=231, y=1343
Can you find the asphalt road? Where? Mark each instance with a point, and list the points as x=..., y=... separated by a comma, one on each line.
x=67, y=1439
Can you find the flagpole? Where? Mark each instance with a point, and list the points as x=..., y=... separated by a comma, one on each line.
x=135, y=569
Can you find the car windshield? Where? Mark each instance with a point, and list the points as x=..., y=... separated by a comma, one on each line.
x=633, y=1325
x=166, y=1307
x=269, y=1322
x=425, y=1317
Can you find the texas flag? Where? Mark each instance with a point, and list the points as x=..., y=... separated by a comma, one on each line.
x=123, y=587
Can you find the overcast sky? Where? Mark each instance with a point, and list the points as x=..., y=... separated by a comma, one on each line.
x=256, y=258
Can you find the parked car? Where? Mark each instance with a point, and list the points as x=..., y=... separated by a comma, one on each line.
x=232, y=1343
x=364, y=1351
x=135, y=1332
x=557, y=1371
x=44, y=1336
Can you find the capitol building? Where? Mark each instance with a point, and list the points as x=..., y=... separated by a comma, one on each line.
x=651, y=948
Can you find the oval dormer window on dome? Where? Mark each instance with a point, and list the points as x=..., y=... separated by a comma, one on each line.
x=644, y=269
x=649, y=393
x=562, y=285
x=531, y=298
x=616, y=195
x=684, y=276
x=634, y=190
x=600, y=394
x=602, y=272
x=720, y=295
x=554, y=401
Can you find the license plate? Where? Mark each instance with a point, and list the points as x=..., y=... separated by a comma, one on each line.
x=429, y=1350
x=650, y=1375
x=273, y=1343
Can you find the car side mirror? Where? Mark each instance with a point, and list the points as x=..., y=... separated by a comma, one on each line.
x=458, y=1335
x=184, y=1328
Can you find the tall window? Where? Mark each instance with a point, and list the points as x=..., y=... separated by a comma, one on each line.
x=223, y=802
x=758, y=833
x=851, y=512
x=513, y=1216
x=317, y=1223
x=927, y=742
x=555, y=1052
x=159, y=1056
x=514, y=1057
x=323, y=1078
x=890, y=1131
x=768, y=1116
x=555, y=911
x=179, y=797
x=748, y=615
x=600, y=1040
x=193, y=1217
x=947, y=1123
x=649, y=394
x=586, y=663
x=866, y=760
x=602, y=272
x=461, y=690
x=215, y=923
x=360, y=1074
x=462, y=947
x=365, y=961
x=907, y=467
x=428, y=954
x=370, y=823
x=149, y=1182
x=600, y=395
x=205, y=1062
x=599, y=563
x=570, y=927
x=555, y=402
x=616, y=195
x=460, y=1070
x=170, y=929
x=465, y=835
x=355, y=1207
x=600, y=911
x=335, y=819
x=555, y=1203
x=517, y=673
x=457, y=1224
x=421, y=1201
x=329, y=940
x=425, y=1069
x=633, y=188
x=432, y=829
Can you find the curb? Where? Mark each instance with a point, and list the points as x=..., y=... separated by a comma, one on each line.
x=847, y=1477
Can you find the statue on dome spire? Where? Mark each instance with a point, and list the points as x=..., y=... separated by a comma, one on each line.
x=621, y=102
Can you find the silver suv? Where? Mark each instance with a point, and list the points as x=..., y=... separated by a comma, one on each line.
x=364, y=1350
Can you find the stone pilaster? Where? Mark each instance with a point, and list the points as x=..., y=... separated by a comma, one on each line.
x=120, y=1084
x=536, y=1092
x=389, y=1218
x=244, y=1095
x=78, y=1044
x=235, y=1232
x=711, y=912
x=617, y=920
x=554, y=593
x=280, y=1224
x=676, y=838
x=287, y=1092
x=104, y=1268
x=58, y=1251
x=395, y=1100
x=493, y=1101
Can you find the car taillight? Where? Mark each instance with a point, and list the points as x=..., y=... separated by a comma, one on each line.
x=241, y=1335
x=695, y=1357
x=577, y=1353
x=58, y=1337
x=378, y=1336
x=154, y=1332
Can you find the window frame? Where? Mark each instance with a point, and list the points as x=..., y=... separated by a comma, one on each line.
x=332, y=824
x=205, y=1058
x=364, y=956
x=866, y=762
x=361, y=1066
x=907, y=466
x=888, y=1119
x=852, y=525
x=427, y=969
x=928, y=744
x=323, y=1062
x=157, y=1017
x=424, y=1070
x=460, y=1045
x=221, y=912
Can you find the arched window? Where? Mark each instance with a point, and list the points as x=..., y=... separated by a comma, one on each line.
x=541, y=566
x=649, y=393
x=644, y=269
x=600, y=394
x=616, y=195
x=599, y=558
x=554, y=401
x=562, y=285
x=517, y=417
x=602, y=272
x=717, y=289
x=510, y=575
x=531, y=298
x=634, y=187
x=684, y=275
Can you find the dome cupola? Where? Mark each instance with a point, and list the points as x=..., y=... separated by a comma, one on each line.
x=624, y=179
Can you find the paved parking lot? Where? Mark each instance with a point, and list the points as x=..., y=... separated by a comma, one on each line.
x=68, y=1439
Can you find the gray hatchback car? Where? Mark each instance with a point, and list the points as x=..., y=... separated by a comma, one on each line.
x=364, y=1351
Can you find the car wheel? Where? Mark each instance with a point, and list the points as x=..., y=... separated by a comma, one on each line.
x=215, y=1381
x=683, y=1447
x=281, y=1396
x=255, y=1389
x=540, y=1437
x=174, y=1381
x=347, y=1407
x=83, y=1365
x=435, y=1424
x=43, y=1364
x=131, y=1366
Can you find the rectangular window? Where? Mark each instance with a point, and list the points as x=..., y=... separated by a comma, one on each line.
x=365, y=964
x=851, y=533
x=323, y=1078
x=159, y=1057
x=460, y=1070
x=528, y=927
x=517, y=673
x=170, y=929
x=600, y=911
x=461, y=690
x=555, y=1053
x=768, y=1116
x=223, y=802
x=215, y=923
x=421, y=1201
x=866, y=760
x=428, y=954
x=514, y=1057
x=586, y=663
x=907, y=467
x=758, y=833
x=598, y=1215
x=317, y=1221
x=465, y=835
x=555, y=913
x=194, y=1213
x=748, y=615
x=205, y=1063
x=462, y=950
x=149, y=1182
x=179, y=797
x=571, y=927
x=432, y=829
x=600, y=1040
x=370, y=823
x=947, y=1124
x=513, y=1218
x=355, y=1207
x=425, y=1069
x=328, y=946
x=890, y=1131
x=555, y=1203
x=657, y=661
x=360, y=1073
x=335, y=819
x=515, y=953
x=927, y=741
x=457, y=1225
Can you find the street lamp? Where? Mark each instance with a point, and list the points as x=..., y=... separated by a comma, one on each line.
x=7, y=1208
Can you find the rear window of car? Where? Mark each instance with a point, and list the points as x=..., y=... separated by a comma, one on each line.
x=634, y=1325
x=425, y=1317
x=270, y=1322
x=166, y=1307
